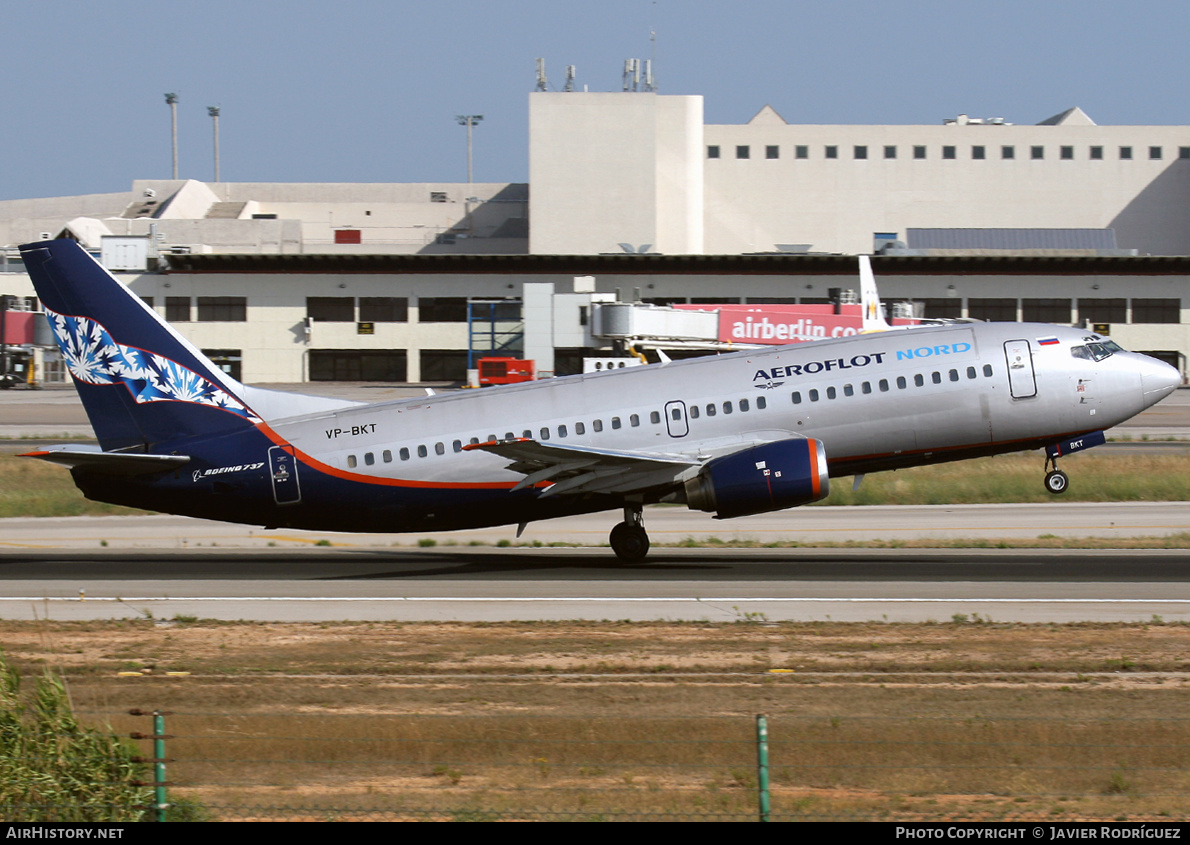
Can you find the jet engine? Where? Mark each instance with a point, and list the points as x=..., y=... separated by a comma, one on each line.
x=764, y=478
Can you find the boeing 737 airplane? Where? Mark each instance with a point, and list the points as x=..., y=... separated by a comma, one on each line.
x=733, y=435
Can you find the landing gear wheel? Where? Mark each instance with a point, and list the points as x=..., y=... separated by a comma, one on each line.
x=629, y=542
x=1056, y=482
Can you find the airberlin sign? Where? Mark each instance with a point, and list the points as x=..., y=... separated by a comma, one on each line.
x=780, y=324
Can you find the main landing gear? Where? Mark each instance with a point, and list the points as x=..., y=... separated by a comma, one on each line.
x=629, y=539
x=1056, y=481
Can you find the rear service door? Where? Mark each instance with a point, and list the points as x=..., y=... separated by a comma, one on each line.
x=283, y=467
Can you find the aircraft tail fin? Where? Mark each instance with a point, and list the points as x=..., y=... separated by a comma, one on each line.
x=873, y=311
x=141, y=383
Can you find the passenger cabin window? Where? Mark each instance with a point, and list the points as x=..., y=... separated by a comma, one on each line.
x=884, y=385
x=615, y=422
x=901, y=383
x=580, y=429
x=727, y=407
x=351, y=461
x=744, y=405
x=369, y=458
x=634, y=420
x=761, y=403
x=797, y=398
x=561, y=431
x=404, y=453
x=693, y=412
x=919, y=380
x=422, y=452
x=439, y=448
x=545, y=434
x=387, y=455
x=710, y=410
x=654, y=417
x=597, y=425
x=813, y=395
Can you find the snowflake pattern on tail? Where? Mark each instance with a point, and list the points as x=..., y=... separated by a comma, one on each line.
x=94, y=357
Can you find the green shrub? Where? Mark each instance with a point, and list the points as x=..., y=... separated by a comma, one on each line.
x=54, y=769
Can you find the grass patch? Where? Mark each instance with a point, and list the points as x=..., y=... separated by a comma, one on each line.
x=619, y=721
x=1094, y=477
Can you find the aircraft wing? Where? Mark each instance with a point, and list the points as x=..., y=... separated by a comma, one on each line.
x=108, y=463
x=578, y=469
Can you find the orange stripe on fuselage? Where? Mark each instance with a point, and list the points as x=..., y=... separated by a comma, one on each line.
x=314, y=463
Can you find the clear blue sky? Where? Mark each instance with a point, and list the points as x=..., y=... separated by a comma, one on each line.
x=365, y=90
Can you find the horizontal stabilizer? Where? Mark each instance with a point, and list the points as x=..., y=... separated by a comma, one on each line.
x=94, y=459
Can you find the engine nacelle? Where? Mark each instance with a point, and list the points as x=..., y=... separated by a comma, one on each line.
x=765, y=478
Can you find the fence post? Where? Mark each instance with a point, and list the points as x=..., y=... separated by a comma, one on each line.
x=159, y=736
x=762, y=765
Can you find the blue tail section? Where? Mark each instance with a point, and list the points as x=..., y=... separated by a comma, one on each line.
x=141, y=383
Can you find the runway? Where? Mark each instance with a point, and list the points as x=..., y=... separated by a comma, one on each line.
x=166, y=567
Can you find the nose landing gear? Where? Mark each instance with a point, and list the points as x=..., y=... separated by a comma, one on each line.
x=1056, y=481
x=629, y=540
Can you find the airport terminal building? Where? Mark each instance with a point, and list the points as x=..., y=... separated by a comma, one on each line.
x=1061, y=221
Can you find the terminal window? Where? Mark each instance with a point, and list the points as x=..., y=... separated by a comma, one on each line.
x=1183, y=152
x=1154, y=153
x=979, y=153
x=177, y=309
x=1066, y=153
x=222, y=309
x=1156, y=310
x=992, y=310
x=1045, y=310
x=772, y=151
x=1102, y=310
x=1007, y=152
x=1036, y=152
x=861, y=152
x=832, y=152
x=949, y=152
x=919, y=151
x=713, y=151
x=1096, y=153
x=1126, y=153
x=330, y=309
x=743, y=151
x=802, y=151
x=890, y=152
x=442, y=309
x=383, y=309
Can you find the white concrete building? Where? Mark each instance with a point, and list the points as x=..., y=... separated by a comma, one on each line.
x=375, y=282
x=613, y=168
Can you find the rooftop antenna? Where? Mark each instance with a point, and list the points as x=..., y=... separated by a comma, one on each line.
x=631, y=74
x=171, y=100
x=569, y=78
x=542, y=82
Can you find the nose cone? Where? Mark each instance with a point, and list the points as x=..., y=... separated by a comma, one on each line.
x=1157, y=379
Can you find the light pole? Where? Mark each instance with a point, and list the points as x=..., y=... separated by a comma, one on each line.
x=171, y=100
x=213, y=111
x=468, y=120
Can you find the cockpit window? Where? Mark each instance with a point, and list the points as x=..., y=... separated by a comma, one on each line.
x=1096, y=349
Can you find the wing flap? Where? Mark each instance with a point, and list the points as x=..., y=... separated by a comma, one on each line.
x=574, y=470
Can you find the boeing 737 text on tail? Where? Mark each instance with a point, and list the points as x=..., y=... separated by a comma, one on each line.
x=733, y=435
